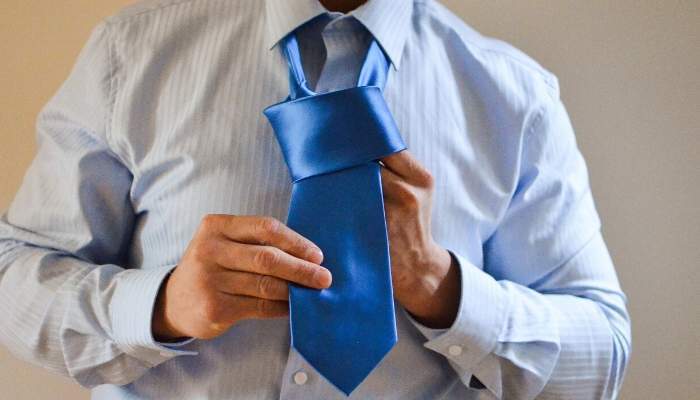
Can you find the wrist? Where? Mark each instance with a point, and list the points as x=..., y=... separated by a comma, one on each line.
x=438, y=301
x=161, y=328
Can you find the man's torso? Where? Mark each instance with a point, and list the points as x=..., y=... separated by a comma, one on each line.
x=191, y=81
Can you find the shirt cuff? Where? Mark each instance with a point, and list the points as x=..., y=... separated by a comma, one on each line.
x=481, y=317
x=131, y=312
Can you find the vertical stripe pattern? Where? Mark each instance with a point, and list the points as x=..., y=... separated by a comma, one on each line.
x=160, y=123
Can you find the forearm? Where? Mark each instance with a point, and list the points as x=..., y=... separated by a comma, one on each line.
x=566, y=336
x=61, y=313
x=592, y=352
x=558, y=346
x=67, y=301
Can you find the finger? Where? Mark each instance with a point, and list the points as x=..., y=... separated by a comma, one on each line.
x=389, y=176
x=245, y=307
x=408, y=167
x=260, y=308
x=268, y=260
x=394, y=187
x=253, y=285
x=266, y=231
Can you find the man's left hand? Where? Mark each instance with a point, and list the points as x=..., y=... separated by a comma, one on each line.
x=425, y=278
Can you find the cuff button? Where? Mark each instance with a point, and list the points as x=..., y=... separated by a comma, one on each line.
x=454, y=350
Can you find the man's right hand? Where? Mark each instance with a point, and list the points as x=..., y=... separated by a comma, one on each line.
x=235, y=268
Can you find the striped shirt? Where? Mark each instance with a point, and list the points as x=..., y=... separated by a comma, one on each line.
x=159, y=123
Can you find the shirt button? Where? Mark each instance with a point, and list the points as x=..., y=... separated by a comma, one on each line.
x=454, y=350
x=300, y=378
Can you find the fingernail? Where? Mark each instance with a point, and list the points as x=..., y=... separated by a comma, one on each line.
x=314, y=254
x=323, y=277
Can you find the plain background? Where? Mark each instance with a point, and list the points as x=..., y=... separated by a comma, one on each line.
x=628, y=70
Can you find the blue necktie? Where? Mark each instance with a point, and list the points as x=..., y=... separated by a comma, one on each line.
x=331, y=143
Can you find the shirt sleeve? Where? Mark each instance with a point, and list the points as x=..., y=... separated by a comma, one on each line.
x=68, y=302
x=546, y=317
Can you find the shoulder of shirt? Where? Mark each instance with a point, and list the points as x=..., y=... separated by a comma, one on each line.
x=479, y=44
x=142, y=7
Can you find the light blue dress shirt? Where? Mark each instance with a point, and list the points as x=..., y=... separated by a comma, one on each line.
x=159, y=124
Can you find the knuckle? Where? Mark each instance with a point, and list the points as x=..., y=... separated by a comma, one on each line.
x=304, y=274
x=266, y=285
x=421, y=174
x=266, y=258
x=302, y=246
x=428, y=180
x=269, y=225
x=204, y=250
x=209, y=222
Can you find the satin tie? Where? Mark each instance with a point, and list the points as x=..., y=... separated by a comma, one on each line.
x=331, y=143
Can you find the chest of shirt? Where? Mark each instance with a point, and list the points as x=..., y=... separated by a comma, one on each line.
x=188, y=123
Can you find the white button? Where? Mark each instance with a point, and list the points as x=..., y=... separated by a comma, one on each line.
x=300, y=378
x=454, y=350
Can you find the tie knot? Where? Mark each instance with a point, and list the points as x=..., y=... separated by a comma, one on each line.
x=334, y=131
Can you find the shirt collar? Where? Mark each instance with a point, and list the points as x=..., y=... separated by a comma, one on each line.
x=387, y=20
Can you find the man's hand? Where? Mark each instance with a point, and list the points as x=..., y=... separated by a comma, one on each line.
x=425, y=278
x=235, y=267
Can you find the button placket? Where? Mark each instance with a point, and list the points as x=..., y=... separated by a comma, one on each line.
x=300, y=377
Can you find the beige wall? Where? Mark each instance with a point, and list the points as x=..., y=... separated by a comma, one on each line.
x=629, y=75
